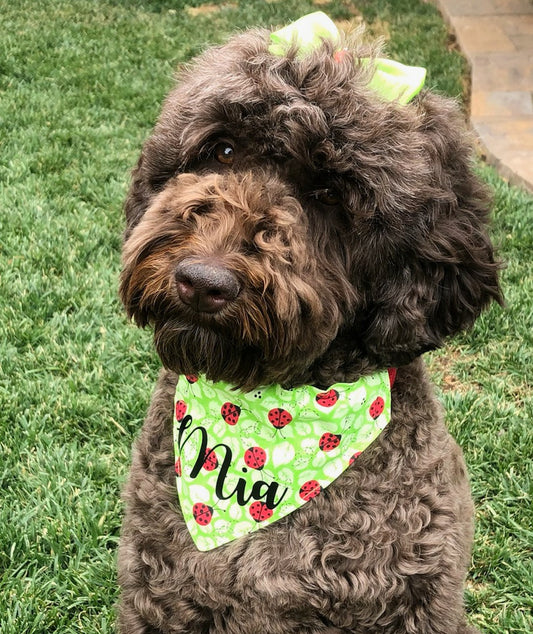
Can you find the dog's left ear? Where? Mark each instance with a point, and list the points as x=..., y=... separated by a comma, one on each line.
x=446, y=273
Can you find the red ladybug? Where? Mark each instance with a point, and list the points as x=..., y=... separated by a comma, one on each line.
x=191, y=378
x=354, y=457
x=279, y=418
x=230, y=413
x=260, y=511
x=329, y=441
x=377, y=407
x=310, y=490
x=202, y=513
x=211, y=461
x=181, y=410
x=255, y=458
x=177, y=467
x=327, y=399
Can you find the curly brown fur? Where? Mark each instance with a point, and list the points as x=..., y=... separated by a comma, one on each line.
x=355, y=232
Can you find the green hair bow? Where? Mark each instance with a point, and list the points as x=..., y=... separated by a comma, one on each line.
x=391, y=80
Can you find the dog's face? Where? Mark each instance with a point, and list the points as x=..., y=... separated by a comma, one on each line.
x=285, y=224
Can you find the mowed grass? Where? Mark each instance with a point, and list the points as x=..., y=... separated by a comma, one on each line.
x=80, y=87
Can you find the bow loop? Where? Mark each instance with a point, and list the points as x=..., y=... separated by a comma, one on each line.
x=391, y=80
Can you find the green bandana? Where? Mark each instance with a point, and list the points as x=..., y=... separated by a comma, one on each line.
x=392, y=81
x=245, y=460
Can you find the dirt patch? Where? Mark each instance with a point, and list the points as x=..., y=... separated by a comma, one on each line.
x=442, y=368
x=208, y=9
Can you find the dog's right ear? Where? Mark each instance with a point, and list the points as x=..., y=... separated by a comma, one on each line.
x=446, y=271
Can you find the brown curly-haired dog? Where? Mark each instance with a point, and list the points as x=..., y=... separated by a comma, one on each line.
x=286, y=225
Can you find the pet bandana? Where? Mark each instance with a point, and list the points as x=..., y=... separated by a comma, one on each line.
x=245, y=460
x=391, y=80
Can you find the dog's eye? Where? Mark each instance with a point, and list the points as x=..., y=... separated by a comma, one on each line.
x=328, y=197
x=224, y=153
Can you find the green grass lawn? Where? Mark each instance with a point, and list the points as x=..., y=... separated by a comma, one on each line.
x=80, y=86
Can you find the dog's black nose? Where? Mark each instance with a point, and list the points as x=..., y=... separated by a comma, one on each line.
x=205, y=287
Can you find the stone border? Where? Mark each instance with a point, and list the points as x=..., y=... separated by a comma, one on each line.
x=496, y=37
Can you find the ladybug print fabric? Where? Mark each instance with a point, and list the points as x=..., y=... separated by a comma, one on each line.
x=245, y=460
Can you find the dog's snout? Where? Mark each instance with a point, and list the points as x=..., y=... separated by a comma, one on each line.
x=206, y=287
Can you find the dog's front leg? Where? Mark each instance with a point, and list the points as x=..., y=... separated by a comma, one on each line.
x=147, y=560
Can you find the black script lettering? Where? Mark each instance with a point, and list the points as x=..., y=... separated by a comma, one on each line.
x=260, y=489
x=239, y=489
x=270, y=493
x=185, y=423
x=202, y=455
x=200, y=459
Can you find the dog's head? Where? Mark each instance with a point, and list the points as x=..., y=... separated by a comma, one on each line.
x=285, y=223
